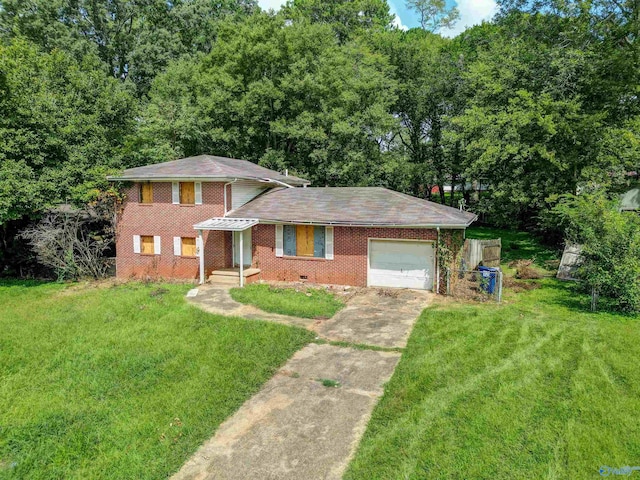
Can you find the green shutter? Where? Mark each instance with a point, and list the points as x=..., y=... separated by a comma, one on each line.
x=318, y=242
x=290, y=240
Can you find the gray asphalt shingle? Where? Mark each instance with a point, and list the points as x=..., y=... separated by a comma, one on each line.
x=206, y=167
x=350, y=206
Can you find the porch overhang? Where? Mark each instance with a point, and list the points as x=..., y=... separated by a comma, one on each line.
x=226, y=224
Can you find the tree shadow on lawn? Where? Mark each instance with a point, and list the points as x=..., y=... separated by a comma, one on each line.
x=567, y=294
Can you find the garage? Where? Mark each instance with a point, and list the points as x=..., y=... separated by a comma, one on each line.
x=401, y=264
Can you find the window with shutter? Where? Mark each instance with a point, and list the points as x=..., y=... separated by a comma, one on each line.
x=305, y=241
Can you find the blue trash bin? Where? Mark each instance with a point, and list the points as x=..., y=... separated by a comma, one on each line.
x=489, y=275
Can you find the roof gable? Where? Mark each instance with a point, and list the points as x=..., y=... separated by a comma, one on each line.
x=206, y=167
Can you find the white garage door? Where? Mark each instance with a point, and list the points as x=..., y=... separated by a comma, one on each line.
x=401, y=264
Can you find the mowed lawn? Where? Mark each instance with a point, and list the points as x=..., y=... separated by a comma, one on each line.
x=121, y=382
x=537, y=387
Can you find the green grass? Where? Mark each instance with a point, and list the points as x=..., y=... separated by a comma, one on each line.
x=537, y=387
x=307, y=303
x=121, y=382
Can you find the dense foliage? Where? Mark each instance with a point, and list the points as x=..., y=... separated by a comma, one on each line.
x=542, y=101
x=610, y=242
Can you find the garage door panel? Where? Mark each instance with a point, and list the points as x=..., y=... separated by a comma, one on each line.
x=401, y=264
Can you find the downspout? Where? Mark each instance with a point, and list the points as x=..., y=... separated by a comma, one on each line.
x=438, y=263
x=225, y=195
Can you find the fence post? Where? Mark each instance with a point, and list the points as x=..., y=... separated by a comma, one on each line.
x=594, y=299
x=500, y=286
x=448, y=273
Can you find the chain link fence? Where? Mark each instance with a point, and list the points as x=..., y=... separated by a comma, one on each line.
x=482, y=285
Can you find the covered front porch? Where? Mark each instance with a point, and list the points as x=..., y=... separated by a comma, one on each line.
x=241, y=246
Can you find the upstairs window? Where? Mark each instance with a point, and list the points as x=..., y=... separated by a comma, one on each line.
x=186, y=193
x=146, y=193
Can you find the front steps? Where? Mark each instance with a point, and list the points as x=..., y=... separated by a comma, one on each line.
x=231, y=276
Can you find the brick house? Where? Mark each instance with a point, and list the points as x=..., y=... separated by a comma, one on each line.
x=232, y=220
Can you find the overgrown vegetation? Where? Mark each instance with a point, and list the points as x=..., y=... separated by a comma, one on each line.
x=121, y=382
x=610, y=241
x=297, y=302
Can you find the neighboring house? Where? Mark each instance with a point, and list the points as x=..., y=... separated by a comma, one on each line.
x=207, y=215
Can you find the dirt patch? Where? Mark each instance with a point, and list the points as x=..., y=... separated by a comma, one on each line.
x=340, y=291
x=525, y=270
x=520, y=285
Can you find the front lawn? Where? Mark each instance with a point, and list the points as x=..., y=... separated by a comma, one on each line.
x=305, y=303
x=121, y=382
x=537, y=387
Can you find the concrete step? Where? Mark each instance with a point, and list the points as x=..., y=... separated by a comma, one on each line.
x=224, y=280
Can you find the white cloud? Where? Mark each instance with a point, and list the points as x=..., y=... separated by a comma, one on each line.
x=396, y=22
x=472, y=12
x=271, y=4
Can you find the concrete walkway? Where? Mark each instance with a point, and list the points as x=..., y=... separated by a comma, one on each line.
x=295, y=427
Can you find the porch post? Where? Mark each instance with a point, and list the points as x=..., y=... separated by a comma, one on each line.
x=201, y=255
x=241, y=252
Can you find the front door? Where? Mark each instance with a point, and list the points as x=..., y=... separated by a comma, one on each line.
x=246, y=254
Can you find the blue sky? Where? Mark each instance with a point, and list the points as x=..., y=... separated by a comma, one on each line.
x=472, y=12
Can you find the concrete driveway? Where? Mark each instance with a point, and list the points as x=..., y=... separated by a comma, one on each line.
x=380, y=317
x=306, y=422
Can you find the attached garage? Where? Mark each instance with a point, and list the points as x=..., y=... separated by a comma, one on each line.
x=401, y=264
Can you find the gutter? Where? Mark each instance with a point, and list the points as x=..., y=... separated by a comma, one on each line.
x=363, y=225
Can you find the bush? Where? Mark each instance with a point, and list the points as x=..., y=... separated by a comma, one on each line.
x=610, y=242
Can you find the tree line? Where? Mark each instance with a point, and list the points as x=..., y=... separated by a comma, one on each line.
x=540, y=102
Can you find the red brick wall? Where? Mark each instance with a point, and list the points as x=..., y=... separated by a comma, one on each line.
x=167, y=220
x=349, y=266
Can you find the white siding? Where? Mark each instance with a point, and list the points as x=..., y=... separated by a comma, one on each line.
x=243, y=191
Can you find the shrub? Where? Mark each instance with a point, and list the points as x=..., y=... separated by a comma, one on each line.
x=610, y=242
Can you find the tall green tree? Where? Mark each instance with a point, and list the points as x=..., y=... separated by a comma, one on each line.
x=434, y=14
x=61, y=125
x=286, y=96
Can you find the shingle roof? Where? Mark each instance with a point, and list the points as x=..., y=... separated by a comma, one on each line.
x=351, y=206
x=206, y=167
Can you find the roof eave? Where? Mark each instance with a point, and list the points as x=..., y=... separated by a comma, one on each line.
x=365, y=225
x=173, y=178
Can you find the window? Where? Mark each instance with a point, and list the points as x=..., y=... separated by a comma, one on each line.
x=188, y=247
x=186, y=193
x=147, y=245
x=185, y=246
x=304, y=241
x=146, y=193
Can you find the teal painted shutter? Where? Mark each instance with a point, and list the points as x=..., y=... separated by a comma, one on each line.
x=290, y=240
x=318, y=242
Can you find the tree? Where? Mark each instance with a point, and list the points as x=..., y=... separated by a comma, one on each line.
x=434, y=14
x=61, y=124
x=286, y=96
x=347, y=17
